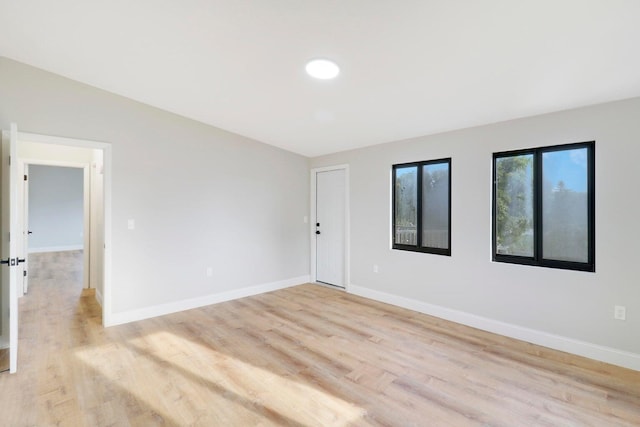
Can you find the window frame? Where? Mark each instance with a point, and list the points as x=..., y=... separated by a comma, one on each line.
x=419, y=232
x=538, y=231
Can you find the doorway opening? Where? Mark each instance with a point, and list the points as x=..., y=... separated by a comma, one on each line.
x=56, y=151
x=56, y=210
x=61, y=211
x=55, y=216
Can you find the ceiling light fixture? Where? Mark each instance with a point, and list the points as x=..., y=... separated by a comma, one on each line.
x=322, y=69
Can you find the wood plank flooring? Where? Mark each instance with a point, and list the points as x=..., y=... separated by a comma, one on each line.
x=304, y=356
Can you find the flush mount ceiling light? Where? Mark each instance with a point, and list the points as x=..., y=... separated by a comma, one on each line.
x=322, y=69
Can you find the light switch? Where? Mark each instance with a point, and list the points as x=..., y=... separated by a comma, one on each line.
x=131, y=224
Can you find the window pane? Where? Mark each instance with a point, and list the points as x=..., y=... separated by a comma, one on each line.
x=514, y=205
x=565, y=221
x=435, y=205
x=406, y=200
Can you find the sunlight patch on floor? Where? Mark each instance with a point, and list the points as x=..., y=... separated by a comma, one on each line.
x=124, y=375
x=193, y=383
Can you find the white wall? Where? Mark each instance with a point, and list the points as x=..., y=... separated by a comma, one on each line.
x=200, y=197
x=56, y=208
x=551, y=306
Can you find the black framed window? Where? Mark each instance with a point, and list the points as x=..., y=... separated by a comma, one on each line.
x=422, y=206
x=544, y=206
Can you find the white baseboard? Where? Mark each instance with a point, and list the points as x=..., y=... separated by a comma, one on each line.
x=56, y=249
x=99, y=297
x=557, y=342
x=188, y=304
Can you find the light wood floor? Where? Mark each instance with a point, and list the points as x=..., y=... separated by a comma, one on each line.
x=304, y=356
x=4, y=359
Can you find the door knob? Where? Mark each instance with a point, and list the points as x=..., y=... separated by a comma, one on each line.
x=317, y=231
x=29, y=232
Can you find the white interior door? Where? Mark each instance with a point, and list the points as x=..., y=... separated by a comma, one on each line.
x=8, y=246
x=330, y=227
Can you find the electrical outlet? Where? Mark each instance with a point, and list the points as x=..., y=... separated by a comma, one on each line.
x=620, y=312
x=209, y=271
x=375, y=268
x=131, y=224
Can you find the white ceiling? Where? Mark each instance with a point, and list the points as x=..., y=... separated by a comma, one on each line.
x=408, y=67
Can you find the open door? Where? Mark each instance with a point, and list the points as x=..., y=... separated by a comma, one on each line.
x=9, y=236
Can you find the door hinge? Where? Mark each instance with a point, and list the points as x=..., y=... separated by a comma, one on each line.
x=24, y=273
x=25, y=177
